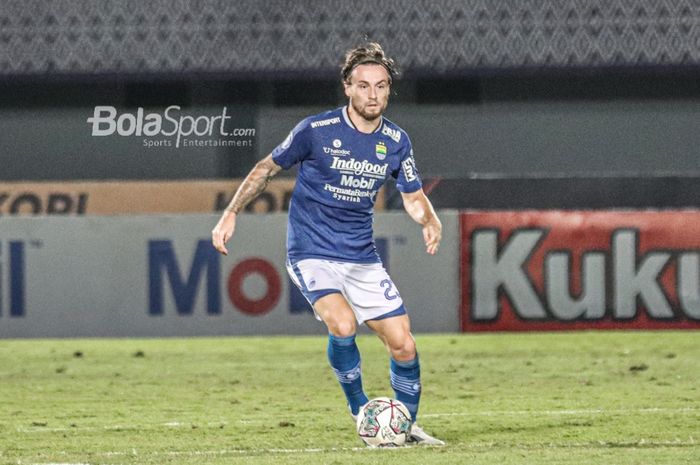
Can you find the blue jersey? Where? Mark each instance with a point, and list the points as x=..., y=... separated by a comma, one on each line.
x=340, y=171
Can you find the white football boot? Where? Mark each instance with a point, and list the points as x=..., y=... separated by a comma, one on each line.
x=421, y=438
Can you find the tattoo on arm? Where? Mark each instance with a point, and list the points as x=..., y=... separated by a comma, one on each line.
x=254, y=184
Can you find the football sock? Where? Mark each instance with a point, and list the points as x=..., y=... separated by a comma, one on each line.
x=405, y=379
x=344, y=357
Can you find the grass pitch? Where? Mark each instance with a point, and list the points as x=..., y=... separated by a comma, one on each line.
x=564, y=398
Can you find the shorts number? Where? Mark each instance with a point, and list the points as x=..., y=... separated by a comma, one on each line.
x=389, y=288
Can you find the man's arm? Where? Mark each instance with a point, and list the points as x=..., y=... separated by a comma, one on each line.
x=253, y=185
x=421, y=210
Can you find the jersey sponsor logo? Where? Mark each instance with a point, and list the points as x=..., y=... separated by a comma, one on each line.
x=325, y=122
x=395, y=134
x=351, y=181
x=409, y=169
x=349, y=195
x=364, y=167
x=336, y=152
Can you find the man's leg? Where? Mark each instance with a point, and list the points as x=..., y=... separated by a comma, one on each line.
x=343, y=353
x=395, y=332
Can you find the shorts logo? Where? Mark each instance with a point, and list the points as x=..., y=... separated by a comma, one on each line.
x=337, y=143
x=380, y=150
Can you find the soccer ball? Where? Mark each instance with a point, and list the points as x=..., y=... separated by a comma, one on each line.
x=384, y=422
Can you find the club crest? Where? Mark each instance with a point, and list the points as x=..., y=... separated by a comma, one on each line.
x=380, y=150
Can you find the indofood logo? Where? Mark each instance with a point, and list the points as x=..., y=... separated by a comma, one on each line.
x=357, y=167
x=171, y=128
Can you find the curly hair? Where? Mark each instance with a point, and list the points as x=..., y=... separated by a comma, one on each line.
x=370, y=52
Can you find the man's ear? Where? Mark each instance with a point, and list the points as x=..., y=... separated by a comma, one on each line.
x=346, y=88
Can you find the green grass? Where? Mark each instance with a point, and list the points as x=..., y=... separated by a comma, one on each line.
x=564, y=398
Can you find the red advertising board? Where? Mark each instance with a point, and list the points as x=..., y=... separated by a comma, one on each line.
x=561, y=270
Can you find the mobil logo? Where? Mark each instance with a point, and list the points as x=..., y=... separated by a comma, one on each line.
x=166, y=271
x=165, y=267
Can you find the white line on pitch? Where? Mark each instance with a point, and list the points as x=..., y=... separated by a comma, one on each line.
x=195, y=453
x=495, y=413
x=487, y=413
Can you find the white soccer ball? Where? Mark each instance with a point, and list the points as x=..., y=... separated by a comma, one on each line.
x=384, y=422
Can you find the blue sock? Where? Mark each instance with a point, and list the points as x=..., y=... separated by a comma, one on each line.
x=345, y=361
x=405, y=379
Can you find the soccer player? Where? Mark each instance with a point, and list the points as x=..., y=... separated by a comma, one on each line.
x=344, y=156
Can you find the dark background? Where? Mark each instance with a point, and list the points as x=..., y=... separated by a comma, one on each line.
x=508, y=104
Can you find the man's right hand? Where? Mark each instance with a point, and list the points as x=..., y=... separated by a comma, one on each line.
x=223, y=231
x=252, y=186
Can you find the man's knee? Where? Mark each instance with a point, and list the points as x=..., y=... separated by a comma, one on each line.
x=337, y=315
x=342, y=328
x=403, y=349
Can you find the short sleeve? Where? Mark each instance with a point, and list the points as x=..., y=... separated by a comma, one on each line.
x=408, y=179
x=295, y=148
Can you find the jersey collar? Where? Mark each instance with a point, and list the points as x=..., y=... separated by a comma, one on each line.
x=349, y=122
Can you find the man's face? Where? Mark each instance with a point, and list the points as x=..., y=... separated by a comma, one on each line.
x=368, y=90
